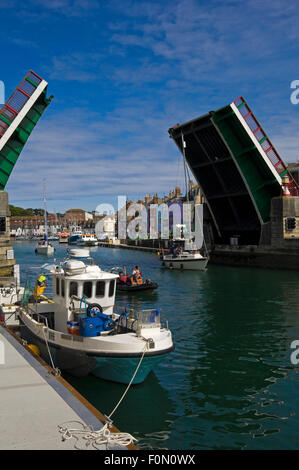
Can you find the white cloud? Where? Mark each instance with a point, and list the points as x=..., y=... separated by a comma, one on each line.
x=96, y=158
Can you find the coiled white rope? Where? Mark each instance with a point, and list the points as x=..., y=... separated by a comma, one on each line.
x=97, y=439
x=103, y=437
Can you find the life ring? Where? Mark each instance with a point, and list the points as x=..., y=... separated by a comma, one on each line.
x=95, y=308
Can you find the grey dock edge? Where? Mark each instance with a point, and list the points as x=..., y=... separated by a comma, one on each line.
x=80, y=407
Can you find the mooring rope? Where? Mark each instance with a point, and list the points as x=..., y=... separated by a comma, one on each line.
x=130, y=383
x=102, y=436
x=57, y=371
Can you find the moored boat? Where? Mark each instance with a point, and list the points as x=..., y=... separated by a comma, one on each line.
x=63, y=237
x=88, y=239
x=75, y=237
x=86, y=333
x=44, y=247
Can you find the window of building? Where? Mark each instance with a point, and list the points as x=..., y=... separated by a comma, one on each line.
x=57, y=286
x=62, y=288
x=100, y=289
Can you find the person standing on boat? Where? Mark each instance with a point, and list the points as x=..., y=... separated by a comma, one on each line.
x=40, y=286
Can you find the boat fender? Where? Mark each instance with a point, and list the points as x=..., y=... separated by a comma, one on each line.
x=35, y=349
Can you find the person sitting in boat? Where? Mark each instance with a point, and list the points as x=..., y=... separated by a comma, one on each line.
x=178, y=251
x=133, y=277
x=138, y=275
x=138, y=271
x=122, y=277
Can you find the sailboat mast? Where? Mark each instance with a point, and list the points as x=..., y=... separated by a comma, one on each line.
x=45, y=210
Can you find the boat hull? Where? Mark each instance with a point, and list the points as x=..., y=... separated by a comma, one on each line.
x=182, y=264
x=116, y=367
x=45, y=250
x=121, y=370
x=122, y=287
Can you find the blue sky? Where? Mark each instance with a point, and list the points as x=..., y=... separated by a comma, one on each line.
x=122, y=73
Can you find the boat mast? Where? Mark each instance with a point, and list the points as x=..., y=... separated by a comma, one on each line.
x=45, y=209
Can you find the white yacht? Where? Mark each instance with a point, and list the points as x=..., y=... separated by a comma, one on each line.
x=44, y=247
x=185, y=260
x=83, y=330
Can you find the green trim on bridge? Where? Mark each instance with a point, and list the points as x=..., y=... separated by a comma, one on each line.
x=14, y=146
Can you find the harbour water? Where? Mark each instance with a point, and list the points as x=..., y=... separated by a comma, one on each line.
x=230, y=383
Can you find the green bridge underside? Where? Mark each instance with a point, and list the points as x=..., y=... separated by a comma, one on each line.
x=234, y=177
x=12, y=149
x=260, y=180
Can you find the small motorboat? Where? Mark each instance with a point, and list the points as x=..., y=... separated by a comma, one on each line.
x=83, y=329
x=125, y=287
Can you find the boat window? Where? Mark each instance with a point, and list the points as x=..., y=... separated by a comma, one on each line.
x=62, y=287
x=73, y=288
x=87, y=289
x=57, y=286
x=100, y=289
x=111, y=288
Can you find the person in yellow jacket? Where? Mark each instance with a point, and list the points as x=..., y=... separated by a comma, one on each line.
x=40, y=285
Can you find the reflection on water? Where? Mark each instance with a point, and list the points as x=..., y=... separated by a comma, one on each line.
x=229, y=384
x=146, y=406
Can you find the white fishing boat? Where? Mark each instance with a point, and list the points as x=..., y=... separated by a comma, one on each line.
x=88, y=239
x=44, y=247
x=83, y=330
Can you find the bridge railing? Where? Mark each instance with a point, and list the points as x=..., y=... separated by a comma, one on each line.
x=18, y=99
x=266, y=144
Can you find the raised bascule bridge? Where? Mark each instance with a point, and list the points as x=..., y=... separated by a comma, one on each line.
x=18, y=118
x=239, y=172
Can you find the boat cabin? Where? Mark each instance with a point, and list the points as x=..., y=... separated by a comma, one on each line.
x=75, y=286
